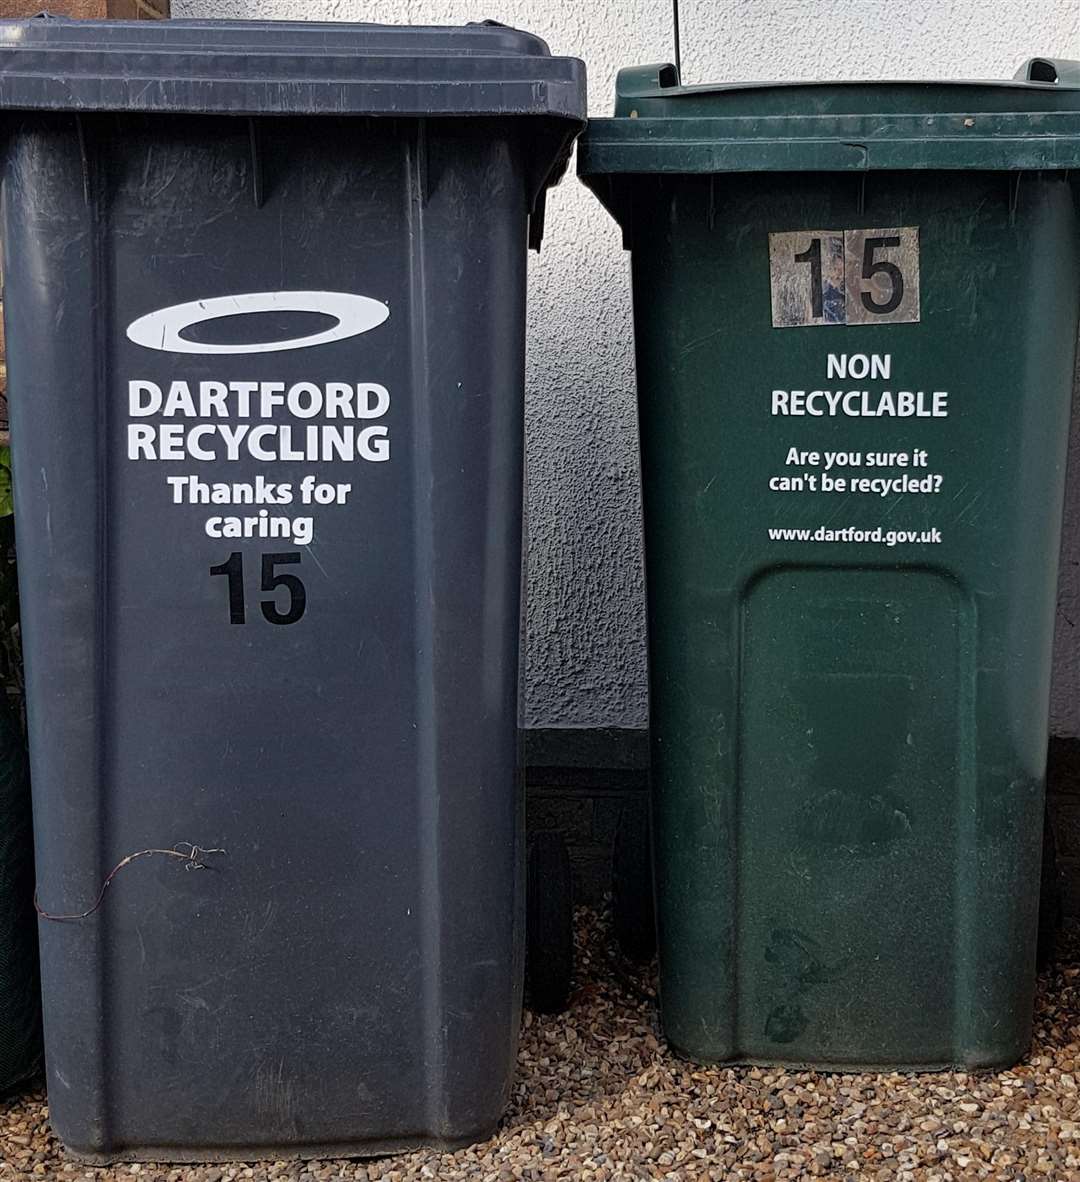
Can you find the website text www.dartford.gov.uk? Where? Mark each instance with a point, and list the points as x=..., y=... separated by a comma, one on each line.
x=877, y=536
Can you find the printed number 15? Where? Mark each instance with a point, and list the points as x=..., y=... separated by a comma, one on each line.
x=233, y=569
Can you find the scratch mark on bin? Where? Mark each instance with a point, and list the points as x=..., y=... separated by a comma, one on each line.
x=314, y=558
x=690, y=346
x=274, y=1095
x=48, y=511
x=972, y=503
x=255, y=927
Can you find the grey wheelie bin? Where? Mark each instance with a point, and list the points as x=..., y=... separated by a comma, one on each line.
x=265, y=298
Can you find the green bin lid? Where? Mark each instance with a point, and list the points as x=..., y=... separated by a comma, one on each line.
x=660, y=126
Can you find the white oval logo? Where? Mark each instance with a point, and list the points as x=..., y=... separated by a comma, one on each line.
x=354, y=314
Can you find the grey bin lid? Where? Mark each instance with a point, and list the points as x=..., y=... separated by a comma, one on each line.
x=284, y=68
x=316, y=68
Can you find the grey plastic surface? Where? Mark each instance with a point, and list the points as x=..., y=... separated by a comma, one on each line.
x=345, y=976
x=284, y=67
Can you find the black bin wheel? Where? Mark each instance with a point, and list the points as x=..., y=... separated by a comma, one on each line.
x=633, y=912
x=549, y=924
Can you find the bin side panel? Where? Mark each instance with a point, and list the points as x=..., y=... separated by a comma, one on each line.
x=53, y=342
x=468, y=276
x=344, y=972
x=900, y=668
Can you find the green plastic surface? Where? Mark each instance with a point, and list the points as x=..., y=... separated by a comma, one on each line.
x=849, y=736
x=660, y=126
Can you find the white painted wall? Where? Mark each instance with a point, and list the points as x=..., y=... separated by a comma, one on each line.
x=586, y=659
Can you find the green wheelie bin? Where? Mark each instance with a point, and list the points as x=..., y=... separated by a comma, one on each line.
x=851, y=544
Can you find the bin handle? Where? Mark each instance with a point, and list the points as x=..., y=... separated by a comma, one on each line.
x=1050, y=70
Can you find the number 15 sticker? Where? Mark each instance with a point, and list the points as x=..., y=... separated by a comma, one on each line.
x=844, y=277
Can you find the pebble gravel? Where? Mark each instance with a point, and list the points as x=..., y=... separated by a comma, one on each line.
x=599, y=1097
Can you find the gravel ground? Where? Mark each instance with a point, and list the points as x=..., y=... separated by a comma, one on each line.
x=598, y=1097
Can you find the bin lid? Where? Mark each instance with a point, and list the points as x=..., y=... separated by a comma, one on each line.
x=284, y=68
x=660, y=126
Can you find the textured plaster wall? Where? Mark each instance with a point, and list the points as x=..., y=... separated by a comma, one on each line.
x=586, y=651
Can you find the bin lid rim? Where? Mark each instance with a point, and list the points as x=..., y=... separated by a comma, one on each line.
x=662, y=81
x=698, y=89
x=1009, y=141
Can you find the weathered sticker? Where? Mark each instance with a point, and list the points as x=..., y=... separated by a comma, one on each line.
x=844, y=276
x=882, y=272
x=807, y=272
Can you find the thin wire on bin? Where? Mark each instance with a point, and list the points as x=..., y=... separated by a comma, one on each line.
x=189, y=853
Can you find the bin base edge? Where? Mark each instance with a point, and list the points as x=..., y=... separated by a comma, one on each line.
x=254, y=1153
x=985, y=1064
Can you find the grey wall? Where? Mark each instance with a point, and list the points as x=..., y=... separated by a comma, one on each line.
x=586, y=658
